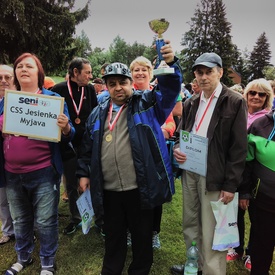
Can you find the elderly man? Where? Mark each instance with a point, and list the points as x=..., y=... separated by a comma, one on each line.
x=81, y=98
x=6, y=82
x=98, y=85
x=219, y=116
x=125, y=162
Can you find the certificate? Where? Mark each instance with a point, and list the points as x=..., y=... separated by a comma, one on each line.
x=86, y=211
x=195, y=147
x=32, y=115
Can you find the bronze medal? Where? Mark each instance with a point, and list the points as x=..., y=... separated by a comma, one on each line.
x=109, y=138
x=77, y=120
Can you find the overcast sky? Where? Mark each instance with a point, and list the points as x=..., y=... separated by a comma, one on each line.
x=129, y=19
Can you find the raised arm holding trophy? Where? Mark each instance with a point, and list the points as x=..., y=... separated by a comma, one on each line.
x=159, y=26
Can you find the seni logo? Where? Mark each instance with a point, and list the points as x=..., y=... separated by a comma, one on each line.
x=33, y=101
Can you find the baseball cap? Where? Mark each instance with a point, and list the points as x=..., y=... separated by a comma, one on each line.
x=117, y=69
x=97, y=81
x=209, y=60
x=48, y=82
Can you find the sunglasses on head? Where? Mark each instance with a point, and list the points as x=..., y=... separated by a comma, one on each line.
x=260, y=94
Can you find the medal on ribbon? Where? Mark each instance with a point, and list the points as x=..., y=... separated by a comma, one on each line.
x=76, y=108
x=111, y=125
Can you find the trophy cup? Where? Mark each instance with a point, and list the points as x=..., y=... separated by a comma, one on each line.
x=159, y=26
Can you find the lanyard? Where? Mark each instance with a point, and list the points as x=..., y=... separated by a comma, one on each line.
x=112, y=124
x=77, y=109
x=205, y=111
x=271, y=135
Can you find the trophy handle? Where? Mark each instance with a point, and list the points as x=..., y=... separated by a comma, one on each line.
x=159, y=43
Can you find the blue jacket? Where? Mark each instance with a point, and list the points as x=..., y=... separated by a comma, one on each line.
x=146, y=112
x=54, y=147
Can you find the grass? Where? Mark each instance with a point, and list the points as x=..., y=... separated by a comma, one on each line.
x=82, y=254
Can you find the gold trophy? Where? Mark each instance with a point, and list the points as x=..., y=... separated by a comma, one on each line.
x=159, y=26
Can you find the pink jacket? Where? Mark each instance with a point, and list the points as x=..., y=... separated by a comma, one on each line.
x=254, y=116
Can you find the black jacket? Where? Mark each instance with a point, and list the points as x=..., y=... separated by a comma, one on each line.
x=89, y=102
x=227, y=139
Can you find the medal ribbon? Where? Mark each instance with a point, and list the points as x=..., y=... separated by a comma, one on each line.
x=205, y=111
x=77, y=109
x=112, y=124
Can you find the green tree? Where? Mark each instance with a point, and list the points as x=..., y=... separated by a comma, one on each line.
x=241, y=64
x=269, y=72
x=260, y=57
x=98, y=57
x=118, y=50
x=209, y=32
x=135, y=50
x=125, y=53
x=82, y=46
x=44, y=27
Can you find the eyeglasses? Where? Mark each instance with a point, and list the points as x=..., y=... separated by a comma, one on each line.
x=6, y=77
x=260, y=94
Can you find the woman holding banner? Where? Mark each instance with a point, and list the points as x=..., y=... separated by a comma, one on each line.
x=33, y=170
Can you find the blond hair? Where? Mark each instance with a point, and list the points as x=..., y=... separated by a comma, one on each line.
x=263, y=85
x=142, y=61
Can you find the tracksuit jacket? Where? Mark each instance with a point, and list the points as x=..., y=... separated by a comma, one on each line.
x=259, y=175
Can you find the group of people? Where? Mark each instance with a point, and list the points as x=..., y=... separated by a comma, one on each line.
x=134, y=144
x=117, y=148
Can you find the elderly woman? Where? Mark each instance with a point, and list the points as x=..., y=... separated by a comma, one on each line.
x=142, y=72
x=258, y=187
x=259, y=96
x=33, y=170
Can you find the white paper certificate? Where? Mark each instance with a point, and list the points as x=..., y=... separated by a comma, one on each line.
x=195, y=147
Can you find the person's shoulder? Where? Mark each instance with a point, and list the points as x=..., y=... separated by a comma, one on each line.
x=97, y=112
x=268, y=117
x=232, y=94
x=90, y=86
x=261, y=123
x=191, y=99
x=225, y=88
x=103, y=96
x=49, y=92
x=60, y=85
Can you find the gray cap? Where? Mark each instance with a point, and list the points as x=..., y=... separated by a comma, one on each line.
x=209, y=60
x=117, y=69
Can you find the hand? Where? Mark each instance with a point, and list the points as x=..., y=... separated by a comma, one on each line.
x=63, y=123
x=244, y=203
x=179, y=156
x=84, y=184
x=165, y=133
x=167, y=52
x=226, y=197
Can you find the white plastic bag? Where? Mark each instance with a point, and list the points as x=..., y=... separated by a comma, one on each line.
x=85, y=208
x=226, y=231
